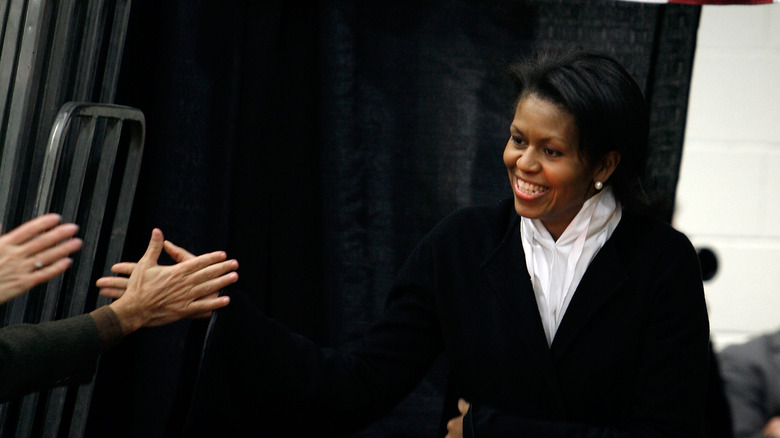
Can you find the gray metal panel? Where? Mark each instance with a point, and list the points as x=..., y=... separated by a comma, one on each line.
x=23, y=92
x=10, y=48
x=8, y=56
x=58, y=71
x=116, y=45
x=90, y=48
x=60, y=53
x=3, y=10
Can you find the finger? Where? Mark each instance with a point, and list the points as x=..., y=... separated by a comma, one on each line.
x=455, y=428
x=213, y=295
x=124, y=268
x=57, y=252
x=111, y=292
x=113, y=282
x=215, y=285
x=154, y=249
x=206, y=314
x=50, y=238
x=213, y=271
x=177, y=253
x=46, y=273
x=451, y=424
x=202, y=306
x=201, y=261
x=463, y=406
x=32, y=228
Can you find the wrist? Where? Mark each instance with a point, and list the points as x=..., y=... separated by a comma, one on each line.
x=130, y=320
x=108, y=327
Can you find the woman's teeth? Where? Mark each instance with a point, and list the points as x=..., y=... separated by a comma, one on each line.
x=529, y=188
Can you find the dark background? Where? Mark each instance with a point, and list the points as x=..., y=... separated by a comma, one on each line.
x=317, y=141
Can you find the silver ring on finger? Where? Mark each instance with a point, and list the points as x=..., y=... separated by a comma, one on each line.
x=38, y=264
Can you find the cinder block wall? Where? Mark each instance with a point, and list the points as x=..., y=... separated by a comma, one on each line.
x=728, y=197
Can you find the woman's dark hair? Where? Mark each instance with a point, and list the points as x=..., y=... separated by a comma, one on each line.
x=607, y=105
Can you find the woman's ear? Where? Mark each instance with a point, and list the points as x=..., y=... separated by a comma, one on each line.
x=606, y=166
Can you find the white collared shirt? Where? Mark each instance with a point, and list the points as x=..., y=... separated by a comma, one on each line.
x=556, y=267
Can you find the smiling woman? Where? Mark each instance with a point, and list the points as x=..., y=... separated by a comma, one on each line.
x=562, y=311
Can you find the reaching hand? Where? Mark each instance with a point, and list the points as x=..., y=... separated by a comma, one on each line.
x=455, y=426
x=156, y=295
x=114, y=287
x=35, y=252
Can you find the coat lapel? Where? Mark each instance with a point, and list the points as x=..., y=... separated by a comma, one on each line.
x=509, y=280
x=603, y=278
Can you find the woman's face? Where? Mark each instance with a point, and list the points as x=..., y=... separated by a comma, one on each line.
x=549, y=179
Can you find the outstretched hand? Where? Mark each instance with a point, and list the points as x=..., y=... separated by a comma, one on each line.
x=114, y=287
x=156, y=295
x=35, y=252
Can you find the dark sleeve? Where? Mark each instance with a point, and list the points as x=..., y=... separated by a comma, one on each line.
x=108, y=327
x=669, y=384
x=38, y=356
x=744, y=369
x=254, y=364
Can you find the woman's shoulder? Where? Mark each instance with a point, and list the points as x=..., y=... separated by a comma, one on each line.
x=652, y=235
x=474, y=228
x=479, y=218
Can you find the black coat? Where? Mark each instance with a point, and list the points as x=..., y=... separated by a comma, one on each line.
x=629, y=359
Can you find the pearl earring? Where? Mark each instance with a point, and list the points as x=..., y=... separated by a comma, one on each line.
x=599, y=185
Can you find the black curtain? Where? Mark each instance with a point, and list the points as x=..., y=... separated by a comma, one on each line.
x=317, y=141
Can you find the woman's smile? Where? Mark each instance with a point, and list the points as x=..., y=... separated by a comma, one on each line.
x=528, y=190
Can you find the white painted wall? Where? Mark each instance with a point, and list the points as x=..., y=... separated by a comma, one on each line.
x=728, y=197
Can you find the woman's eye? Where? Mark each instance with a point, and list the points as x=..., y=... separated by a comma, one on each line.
x=552, y=152
x=518, y=141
